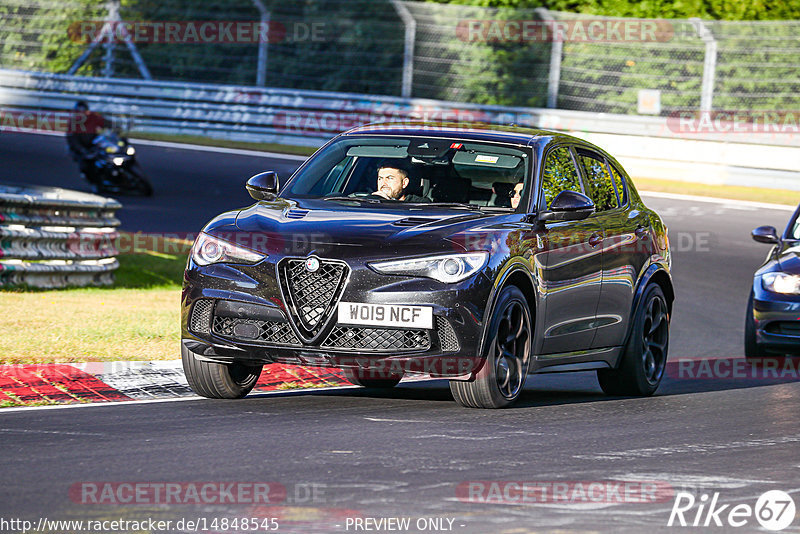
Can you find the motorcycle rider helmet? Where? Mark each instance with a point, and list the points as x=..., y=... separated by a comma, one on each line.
x=81, y=105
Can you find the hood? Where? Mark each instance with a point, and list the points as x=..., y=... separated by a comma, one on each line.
x=302, y=227
x=789, y=257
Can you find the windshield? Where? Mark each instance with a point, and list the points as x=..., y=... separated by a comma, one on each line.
x=415, y=170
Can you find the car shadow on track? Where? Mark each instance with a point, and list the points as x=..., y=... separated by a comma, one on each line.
x=577, y=388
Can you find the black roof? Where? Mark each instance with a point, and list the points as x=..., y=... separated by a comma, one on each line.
x=478, y=131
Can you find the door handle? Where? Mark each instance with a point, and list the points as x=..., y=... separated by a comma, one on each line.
x=641, y=231
x=595, y=239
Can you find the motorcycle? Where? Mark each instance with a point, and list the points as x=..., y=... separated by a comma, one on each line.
x=116, y=170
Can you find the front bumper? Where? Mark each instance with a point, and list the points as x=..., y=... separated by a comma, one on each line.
x=239, y=313
x=777, y=320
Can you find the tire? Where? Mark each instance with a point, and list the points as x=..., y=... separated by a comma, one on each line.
x=501, y=378
x=752, y=350
x=138, y=181
x=357, y=378
x=645, y=356
x=218, y=380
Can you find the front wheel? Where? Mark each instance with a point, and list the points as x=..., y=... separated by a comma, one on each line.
x=752, y=349
x=645, y=355
x=500, y=380
x=218, y=380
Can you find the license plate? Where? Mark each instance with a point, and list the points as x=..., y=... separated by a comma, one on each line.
x=396, y=315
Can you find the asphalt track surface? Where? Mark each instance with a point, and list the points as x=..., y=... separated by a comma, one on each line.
x=406, y=452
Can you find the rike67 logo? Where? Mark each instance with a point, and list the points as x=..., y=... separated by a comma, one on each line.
x=774, y=510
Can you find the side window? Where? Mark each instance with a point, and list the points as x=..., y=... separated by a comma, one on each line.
x=619, y=181
x=559, y=174
x=599, y=180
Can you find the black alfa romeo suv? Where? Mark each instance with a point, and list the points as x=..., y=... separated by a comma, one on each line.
x=474, y=253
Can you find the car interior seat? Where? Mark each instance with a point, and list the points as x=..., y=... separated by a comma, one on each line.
x=501, y=197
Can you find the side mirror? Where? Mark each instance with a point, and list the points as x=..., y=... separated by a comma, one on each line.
x=766, y=234
x=263, y=186
x=568, y=206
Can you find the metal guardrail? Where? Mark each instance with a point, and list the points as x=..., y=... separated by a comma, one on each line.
x=247, y=113
x=653, y=147
x=52, y=238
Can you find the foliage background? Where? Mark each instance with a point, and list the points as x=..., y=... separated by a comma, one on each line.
x=361, y=50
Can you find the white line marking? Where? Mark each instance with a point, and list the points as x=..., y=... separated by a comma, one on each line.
x=222, y=150
x=254, y=395
x=689, y=448
x=189, y=146
x=4, y=411
x=730, y=202
x=30, y=431
x=694, y=481
x=466, y=438
x=381, y=420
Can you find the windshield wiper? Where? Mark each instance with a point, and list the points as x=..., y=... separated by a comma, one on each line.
x=496, y=208
x=448, y=205
x=355, y=199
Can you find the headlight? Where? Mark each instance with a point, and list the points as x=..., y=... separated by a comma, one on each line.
x=118, y=161
x=781, y=283
x=207, y=250
x=130, y=151
x=449, y=268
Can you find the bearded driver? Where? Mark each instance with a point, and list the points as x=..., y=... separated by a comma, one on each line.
x=392, y=182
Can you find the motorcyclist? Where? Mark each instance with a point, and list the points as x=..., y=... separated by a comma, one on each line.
x=83, y=128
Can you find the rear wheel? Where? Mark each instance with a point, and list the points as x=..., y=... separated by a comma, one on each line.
x=752, y=350
x=358, y=377
x=645, y=356
x=500, y=380
x=218, y=380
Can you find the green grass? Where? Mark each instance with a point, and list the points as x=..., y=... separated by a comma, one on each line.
x=137, y=319
x=151, y=270
x=755, y=194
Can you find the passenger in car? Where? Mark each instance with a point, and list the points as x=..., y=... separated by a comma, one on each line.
x=516, y=194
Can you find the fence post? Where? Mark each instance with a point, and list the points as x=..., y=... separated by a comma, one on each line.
x=108, y=58
x=556, y=48
x=709, y=63
x=408, y=51
x=109, y=33
x=263, y=45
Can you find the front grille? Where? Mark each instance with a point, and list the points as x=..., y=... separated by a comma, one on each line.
x=313, y=294
x=448, y=341
x=201, y=316
x=265, y=331
x=784, y=328
x=377, y=339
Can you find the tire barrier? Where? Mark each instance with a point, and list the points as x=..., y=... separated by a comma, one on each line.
x=53, y=238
